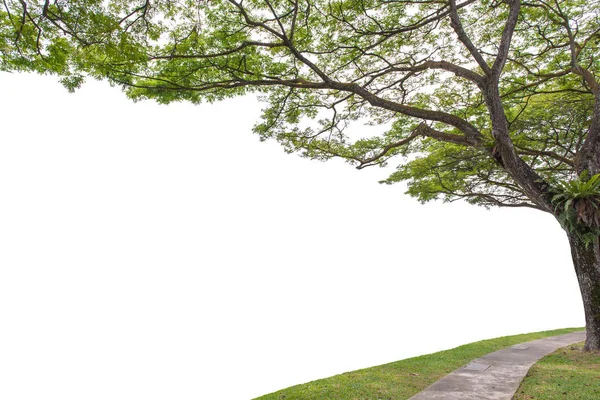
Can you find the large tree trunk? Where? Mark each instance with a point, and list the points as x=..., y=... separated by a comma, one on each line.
x=587, y=267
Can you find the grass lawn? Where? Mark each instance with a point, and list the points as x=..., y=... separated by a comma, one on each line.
x=402, y=379
x=568, y=373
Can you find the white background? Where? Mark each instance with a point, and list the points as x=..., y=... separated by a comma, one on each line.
x=163, y=252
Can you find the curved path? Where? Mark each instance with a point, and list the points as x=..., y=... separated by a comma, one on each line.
x=496, y=376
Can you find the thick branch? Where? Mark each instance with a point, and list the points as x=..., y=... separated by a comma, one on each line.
x=464, y=39
x=507, y=34
x=472, y=135
x=531, y=183
x=426, y=130
x=588, y=157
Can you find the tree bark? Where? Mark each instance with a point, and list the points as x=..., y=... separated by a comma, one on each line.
x=587, y=267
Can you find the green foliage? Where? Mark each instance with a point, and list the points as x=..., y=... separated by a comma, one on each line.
x=584, y=186
x=305, y=60
x=578, y=206
x=449, y=171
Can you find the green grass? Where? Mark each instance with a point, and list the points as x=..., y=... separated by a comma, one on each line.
x=402, y=379
x=568, y=373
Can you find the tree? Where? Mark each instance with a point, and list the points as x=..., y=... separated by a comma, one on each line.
x=494, y=102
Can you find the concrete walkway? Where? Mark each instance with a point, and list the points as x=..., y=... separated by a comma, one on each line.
x=496, y=376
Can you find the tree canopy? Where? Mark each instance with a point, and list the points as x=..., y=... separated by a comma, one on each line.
x=442, y=78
